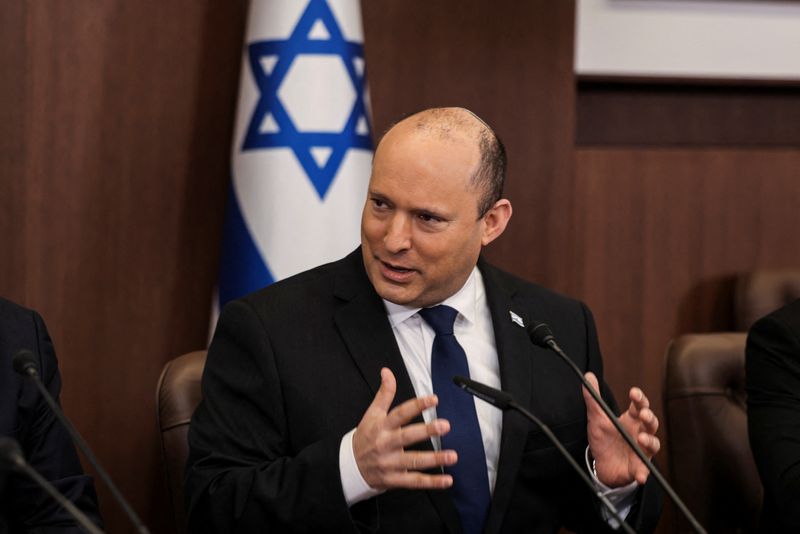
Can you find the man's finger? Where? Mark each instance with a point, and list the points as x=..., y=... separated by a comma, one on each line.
x=410, y=409
x=385, y=395
x=639, y=402
x=591, y=404
x=649, y=419
x=641, y=475
x=638, y=398
x=417, y=480
x=411, y=434
x=650, y=444
x=421, y=460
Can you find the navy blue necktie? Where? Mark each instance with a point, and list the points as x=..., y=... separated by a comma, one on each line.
x=470, y=479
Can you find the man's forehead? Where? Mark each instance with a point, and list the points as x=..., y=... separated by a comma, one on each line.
x=423, y=178
x=412, y=150
x=455, y=124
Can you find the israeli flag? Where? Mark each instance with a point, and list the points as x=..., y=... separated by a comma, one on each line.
x=302, y=145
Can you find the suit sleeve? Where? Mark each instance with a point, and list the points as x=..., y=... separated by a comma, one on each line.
x=773, y=403
x=242, y=474
x=49, y=450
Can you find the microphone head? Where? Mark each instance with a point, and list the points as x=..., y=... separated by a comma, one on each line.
x=25, y=363
x=10, y=453
x=540, y=334
x=493, y=396
x=460, y=381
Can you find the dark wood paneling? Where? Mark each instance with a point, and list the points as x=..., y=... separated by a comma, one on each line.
x=687, y=114
x=511, y=63
x=664, y=232
x=12, y=120
x=117, y=156
x=115, y=142
x=114, y=149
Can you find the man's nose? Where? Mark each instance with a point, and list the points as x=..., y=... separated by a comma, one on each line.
x=398, y=234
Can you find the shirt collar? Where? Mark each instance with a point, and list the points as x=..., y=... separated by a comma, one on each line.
x=464, y=301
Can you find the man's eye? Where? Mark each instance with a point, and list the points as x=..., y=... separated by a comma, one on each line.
x=428, y=218
x=378, y=203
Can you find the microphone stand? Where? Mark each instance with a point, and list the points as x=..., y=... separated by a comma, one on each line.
x=25, y=364
x=542, y=336
x=504, y=401
x=12, y=457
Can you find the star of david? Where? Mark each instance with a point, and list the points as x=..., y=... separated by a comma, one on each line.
x=319, y=152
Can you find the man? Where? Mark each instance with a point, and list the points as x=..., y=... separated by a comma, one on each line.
x=25, y=417
x=773, y=410
x=318, y=412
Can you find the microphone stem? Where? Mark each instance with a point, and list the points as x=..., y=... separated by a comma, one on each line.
x=599, y=494
x=84, y=447
x=634, y=446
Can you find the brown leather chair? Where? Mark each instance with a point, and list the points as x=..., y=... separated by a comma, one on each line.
x=177, y=395
x=764, y=291
x=711, y=465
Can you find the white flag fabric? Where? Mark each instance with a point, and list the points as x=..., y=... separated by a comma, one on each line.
x=302, y=145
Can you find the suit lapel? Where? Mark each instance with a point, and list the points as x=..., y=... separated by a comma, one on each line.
x=365, y=329
x=367, y=333
x=515, y=355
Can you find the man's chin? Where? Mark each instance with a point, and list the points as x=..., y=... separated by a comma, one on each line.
x=403, y=296
x=396, y=297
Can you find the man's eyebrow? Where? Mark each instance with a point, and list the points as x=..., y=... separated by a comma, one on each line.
x=418, y=210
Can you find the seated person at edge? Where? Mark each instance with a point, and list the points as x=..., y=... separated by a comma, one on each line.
x=773, y=414
x=328, y=403
x=45, y=443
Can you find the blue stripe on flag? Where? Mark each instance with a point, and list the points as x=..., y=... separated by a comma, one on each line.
x=242, y=270
x=296, y=127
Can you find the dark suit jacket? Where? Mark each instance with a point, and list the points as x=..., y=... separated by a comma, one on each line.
x=46, y=445
x=293, y=367
x=773, y=407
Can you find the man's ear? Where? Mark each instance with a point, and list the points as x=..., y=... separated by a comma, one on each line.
x=495, y=220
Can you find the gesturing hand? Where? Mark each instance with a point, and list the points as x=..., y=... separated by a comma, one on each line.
x=615, y=462
x=380, y=438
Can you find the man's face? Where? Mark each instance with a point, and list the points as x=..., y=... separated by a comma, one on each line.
x=420, y=231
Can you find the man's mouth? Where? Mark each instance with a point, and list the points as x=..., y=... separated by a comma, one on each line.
x=397, y=268
x=396, y=273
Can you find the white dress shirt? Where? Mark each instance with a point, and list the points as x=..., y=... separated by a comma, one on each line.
x=475, y=333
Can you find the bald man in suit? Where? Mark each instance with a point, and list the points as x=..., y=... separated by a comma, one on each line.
x=322, y=410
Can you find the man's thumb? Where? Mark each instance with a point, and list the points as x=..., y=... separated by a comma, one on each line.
x=385, y=395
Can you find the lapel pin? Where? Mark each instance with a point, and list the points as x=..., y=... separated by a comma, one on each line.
x=516, y=319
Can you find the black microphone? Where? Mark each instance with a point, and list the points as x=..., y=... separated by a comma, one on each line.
x=26, y=364
x=542, y=336
x=495, y=397
x=11, y=457
x=505, y=401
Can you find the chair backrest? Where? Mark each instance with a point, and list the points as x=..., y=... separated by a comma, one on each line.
x=711, y=465
x=177, y=396
x=761, y=292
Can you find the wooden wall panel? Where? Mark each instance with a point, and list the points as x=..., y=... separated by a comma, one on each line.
x=114, y=163
x=114, y=173
x=12, y=119
x=664, y=232
x=685, y=113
